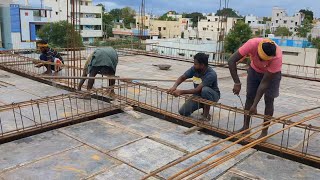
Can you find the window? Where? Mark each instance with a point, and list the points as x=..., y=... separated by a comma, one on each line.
x=290, y=53
x=181, y=54
x=85, y=39
x=57, y=13
x=164, y=28
x=81, y=3
x=216, y=19
x=249, y=22
x=159, y=28
x=277, y=14
x=204, y=28
x=36, y=13
x=291, y=28
x=208, y=20
x=218, y=29
x=191, y=55
x=296, y=23
x=97, y=27
x=86, y=3
x=277, y=21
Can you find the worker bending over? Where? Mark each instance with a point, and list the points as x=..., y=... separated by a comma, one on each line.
x=264, y=76
x=102, y=61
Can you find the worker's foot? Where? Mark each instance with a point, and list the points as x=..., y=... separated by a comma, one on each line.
x=263, y=134
x=55, y=73
x=84, y=96
x=49, y=72
x=205, y=118
x=243, y=129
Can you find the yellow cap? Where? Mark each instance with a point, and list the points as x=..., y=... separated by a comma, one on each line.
x=42, y=45
x=261, y=53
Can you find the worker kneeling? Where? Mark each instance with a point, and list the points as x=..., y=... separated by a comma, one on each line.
x=102, y=61
x=205, y=86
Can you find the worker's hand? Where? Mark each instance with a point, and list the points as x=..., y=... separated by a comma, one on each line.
x=171, y=90
x=177, y=93
x=38, y=65
x=253, y=110
x=236, y=89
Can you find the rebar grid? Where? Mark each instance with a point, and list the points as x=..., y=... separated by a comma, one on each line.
x=210, y=146
x=224, y=120
x=17, y=118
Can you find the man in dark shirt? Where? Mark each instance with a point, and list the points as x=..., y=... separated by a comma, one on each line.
x=50, y=55
x=205, y=85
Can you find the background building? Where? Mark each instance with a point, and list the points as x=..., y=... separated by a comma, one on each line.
x=280, y=18
x=90, y=17
x=257, y=24
x=20, y=23
x=211, y=28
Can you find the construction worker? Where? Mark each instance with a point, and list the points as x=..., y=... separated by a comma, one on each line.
x=205, y=86
x=50, y=55
x=264, y=76
x=102, y=61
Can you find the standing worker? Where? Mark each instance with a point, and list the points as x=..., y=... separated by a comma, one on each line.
x=102, y=61
x=205, y=83
x=49, y=55
x=264, y=76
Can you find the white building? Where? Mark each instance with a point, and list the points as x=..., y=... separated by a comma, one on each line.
x=20, y=24
x=90, y=16
x=257, y=24
x=280, y=18
x=211, y=28
x=315, y=31
x=182, y=48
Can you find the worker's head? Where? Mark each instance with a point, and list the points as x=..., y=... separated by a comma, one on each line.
x=200, y=61
x=267, y=49
x=43, y=46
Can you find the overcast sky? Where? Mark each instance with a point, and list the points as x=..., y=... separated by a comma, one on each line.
x=245, y=7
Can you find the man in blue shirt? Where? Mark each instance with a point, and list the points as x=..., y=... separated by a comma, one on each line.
x=205, y=83
x=50, y=55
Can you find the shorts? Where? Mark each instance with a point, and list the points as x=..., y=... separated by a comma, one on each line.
x=254, y=79
x=104, y=70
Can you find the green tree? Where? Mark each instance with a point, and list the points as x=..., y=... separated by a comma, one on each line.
x=265, y=19
x=60, y=34
x=116, y=14
x=316, y=43
x=304, y=29
x=108, y=24
x=165, y=17
x=268, y=32
x=195, y=17
x=282, y=31
x=240, y=34
x=308, y=14
x=103, y=7
x=227, y=12
x=127, y=14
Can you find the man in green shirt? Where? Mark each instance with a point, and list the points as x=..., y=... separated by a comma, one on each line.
x=102, y=61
